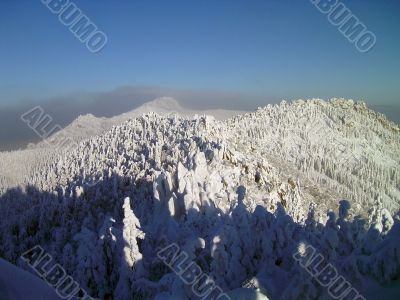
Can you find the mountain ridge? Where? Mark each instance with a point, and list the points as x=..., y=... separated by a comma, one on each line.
x=86, y=126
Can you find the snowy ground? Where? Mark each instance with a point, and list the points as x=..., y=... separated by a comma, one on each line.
x=17, y=284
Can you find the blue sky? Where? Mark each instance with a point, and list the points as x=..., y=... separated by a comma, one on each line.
x=270, y=49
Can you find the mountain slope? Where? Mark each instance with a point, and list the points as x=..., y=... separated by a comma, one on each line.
x=88, y=125
x=25, y=162
x=240, y=197
x=339, y=144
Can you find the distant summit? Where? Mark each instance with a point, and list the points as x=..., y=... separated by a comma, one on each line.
x=164, y=103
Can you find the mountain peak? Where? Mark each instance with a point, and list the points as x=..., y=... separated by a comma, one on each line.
x=164, y=103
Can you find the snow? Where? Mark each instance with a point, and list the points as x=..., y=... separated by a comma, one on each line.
x=16, y=284
x=238, y=195
x=88, y=125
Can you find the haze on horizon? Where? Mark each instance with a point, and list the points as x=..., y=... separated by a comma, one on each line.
x=209, y=54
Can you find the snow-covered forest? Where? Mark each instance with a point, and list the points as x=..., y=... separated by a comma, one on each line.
x=240, y=196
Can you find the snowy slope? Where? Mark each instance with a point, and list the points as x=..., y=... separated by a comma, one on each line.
x=16, y=284
x=88, y=125
x=239, y=196
x=25, y=162
x=340, y=145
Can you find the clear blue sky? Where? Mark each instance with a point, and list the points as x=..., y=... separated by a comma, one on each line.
x=285, y=49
